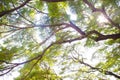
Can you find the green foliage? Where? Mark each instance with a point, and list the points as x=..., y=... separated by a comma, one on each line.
x=56, y=10
x=90, y=42
x=112, y=58
x=39, y=4
x=36, y=73
x=7, y=54
x=26, y=33
x=109, y=2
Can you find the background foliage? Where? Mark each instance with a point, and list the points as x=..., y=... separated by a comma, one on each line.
x=60, y=39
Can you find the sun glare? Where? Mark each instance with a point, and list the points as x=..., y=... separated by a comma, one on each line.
x=102, y=19
x=22, y=25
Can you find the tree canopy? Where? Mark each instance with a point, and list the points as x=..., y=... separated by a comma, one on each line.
x=60, y=39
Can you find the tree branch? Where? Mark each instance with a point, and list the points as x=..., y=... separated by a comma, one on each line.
x=102, y=11
x=9, y=11
x=37, y=10
x=99, y=38
x=70, y=40
x=77, y=28
x=103, y=37
x=84, y=35
x=97, y=69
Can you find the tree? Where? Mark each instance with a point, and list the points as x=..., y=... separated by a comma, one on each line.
x=39, y=35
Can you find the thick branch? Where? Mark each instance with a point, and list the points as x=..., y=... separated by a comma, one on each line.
x=104, y=37
x=16, y=8
x=100, y=36
x=112, y=36
x=77, y=28
x=82, y=33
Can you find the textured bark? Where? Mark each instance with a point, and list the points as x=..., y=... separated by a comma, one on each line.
x=112, y=36
x=104, y=37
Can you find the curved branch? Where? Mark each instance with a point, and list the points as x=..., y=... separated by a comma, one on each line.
x=16, y=8
x=99, y=38
x=37, y=10
x=97, y=69
x=102, y=11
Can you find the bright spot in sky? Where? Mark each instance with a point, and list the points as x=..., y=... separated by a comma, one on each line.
x=73, y=16
x=102, y=19
x=37, y=17
x=36, y=36
x=22, y=25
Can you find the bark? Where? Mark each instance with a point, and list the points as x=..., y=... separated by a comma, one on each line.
x=77, y=29
x=100, y=36
x=104, y=37
x=112, y=36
